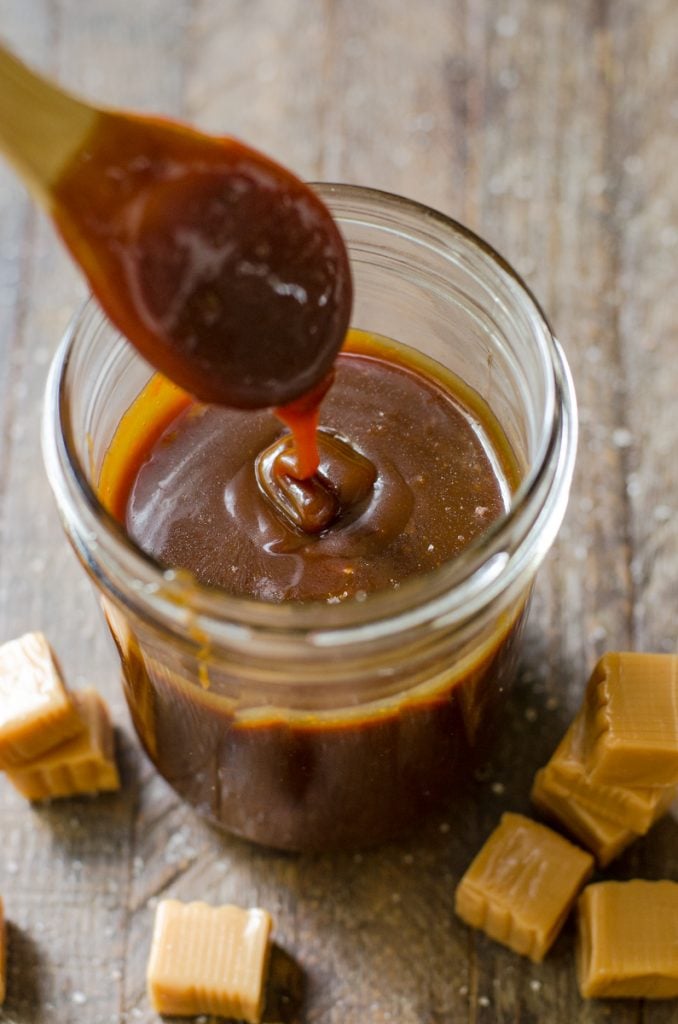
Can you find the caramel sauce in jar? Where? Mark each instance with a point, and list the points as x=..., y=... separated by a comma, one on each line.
x=415, y=468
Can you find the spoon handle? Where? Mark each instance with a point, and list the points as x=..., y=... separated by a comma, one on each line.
x=41, y=127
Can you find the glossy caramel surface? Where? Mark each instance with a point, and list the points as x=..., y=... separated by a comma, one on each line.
x=440, y=479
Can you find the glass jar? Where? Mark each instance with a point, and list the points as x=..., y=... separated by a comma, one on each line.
x=307, y=726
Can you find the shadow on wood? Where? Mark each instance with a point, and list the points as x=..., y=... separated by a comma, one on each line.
x=24, y=972
x=285, y=990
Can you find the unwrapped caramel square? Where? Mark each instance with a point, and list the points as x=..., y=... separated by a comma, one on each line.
x=85, y=764
x=209, y=960
x=628, y=940
x=521, y=885
x=636, y=809
x=604, y=838
x=36, y=712
x=3, y=954
x=631, y=720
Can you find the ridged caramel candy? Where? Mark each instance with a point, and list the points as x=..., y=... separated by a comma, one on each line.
x=36, y=712
x=521, y=885
x=85, y=764
x=604, y=838
x=628, y=940
x=209, y=960
x=631, y=720
x=3, y=954
x=636, y=809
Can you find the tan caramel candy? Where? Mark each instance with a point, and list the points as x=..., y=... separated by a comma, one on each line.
x=208, y=960
x=36, y=712
x=85, y=764
x=604, y=838
x=3, y=954
x=631, y=719
x=628, y=940
x=635, y=809
x=522, y=884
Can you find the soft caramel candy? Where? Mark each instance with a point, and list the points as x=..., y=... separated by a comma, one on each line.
x=3, y=954
x=631, y=720
x=85, y=764
x=208, y=960
x=635, y=809
x=628, y=940
x=522, y=884
x=36, y=712
x=604, y=838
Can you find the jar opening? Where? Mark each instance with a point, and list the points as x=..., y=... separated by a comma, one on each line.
x=487, y=572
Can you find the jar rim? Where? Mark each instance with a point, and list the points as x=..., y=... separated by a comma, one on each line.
x=497, y=563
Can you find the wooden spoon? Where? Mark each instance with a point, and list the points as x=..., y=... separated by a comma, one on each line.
x=223, y=269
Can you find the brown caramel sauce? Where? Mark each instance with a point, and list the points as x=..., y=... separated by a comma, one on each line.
x=409, y=477
x=305, y=779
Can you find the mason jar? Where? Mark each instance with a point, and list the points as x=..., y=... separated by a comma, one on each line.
x=315, y=725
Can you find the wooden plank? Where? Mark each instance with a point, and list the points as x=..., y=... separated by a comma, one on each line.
x=16, y=232
x=543, y=127
x=247, y=69
x=66, y=869
x=256, y=71
x=644, y=41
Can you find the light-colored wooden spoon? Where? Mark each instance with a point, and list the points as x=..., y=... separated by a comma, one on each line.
x=41, y=128
x=224, y=270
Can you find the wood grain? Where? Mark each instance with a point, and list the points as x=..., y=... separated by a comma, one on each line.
x=552, y=129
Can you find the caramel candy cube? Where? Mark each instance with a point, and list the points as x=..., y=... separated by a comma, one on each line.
x=208, y=960
x=521, y=885
x=631, y=716
x=628, y=940
x=3, y=954
x=604, y=838
x=36, y=712
x=635, y=809
x=85, y=764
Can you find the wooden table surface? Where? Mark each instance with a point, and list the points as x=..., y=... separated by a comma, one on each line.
x=550, y=127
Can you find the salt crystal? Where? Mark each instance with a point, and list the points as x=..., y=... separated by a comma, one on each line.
x=622, y=438
x=633, y=485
